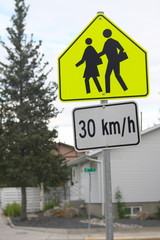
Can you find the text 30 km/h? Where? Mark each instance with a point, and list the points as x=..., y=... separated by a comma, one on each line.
x=112, y=125
x=107, y=128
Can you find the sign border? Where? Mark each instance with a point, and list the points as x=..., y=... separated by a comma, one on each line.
x=110, y=146
x=102, y=98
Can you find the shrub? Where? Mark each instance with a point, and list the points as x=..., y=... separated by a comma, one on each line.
x=158, y=211
x=120, y=205
x=50, y=205
x=12, y=210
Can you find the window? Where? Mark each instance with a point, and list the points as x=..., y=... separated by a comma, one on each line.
x=132, y=210
x=128, y=211
x=74, y=176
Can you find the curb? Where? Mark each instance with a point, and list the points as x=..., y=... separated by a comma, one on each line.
x=62, y=231
x=126, y=238
x=57, y=230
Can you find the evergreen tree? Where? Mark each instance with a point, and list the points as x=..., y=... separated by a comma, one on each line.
x=26, y=107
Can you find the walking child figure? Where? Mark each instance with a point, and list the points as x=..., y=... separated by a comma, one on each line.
x=115, y=54
x=92, y=60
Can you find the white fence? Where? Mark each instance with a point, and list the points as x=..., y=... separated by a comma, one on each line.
x=10, y=195
x=0, y=194
x=34, y=197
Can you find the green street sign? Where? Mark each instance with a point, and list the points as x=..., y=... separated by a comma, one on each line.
x=89, y=169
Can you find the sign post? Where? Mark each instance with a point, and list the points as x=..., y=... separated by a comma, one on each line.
x=89, y=170
x=107, y=190
x=103, y=62
x=108, y=194
x=104, y=126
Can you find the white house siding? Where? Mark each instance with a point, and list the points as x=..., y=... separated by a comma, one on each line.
x=136, y=170
x=96, y=195
x=84, y=182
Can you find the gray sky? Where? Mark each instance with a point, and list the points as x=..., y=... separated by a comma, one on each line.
x=57, y=24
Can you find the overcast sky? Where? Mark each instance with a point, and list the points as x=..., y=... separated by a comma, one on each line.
x=58, y=23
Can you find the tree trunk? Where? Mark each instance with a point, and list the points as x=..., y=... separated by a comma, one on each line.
x=24, y=204
x=41, y=196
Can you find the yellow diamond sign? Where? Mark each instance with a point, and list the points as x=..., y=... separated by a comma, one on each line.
x=103, y=62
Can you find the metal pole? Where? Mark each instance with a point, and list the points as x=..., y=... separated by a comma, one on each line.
x=89, y=207
x=108, y=194
x=107, y=191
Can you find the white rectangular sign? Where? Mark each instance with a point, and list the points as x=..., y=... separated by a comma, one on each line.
x=106, y=126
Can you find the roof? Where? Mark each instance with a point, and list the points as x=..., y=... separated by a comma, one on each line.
x=64, y=144
x=90, y=155
x=68, y=152
x=148, y=130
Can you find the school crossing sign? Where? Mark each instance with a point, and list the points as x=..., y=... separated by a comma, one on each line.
x=103, y=62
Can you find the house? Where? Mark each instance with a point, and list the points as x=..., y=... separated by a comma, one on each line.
x=135, y=170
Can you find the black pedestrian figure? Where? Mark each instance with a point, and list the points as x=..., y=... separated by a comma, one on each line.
x=92, y=59
x=115, y=54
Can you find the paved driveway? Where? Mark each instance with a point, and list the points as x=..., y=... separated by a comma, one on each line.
x=8, y=233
